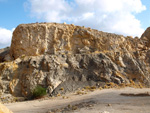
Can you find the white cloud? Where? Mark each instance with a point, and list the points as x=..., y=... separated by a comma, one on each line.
x=117, y=16
x=50, y=10
x=5, y=37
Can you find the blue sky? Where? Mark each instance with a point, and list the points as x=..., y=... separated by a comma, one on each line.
x=144, y=16
x=127, y=17
x=13, y=13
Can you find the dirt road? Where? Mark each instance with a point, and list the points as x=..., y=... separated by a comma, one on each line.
x=108, y=100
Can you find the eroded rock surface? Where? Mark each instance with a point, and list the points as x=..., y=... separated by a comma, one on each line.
x=60, y=55
x=38, y=39
x=4, y=54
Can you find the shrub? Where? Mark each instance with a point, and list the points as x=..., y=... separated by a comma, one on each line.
x=38, y=92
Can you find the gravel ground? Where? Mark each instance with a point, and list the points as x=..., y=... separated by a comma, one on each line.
x=98, y=101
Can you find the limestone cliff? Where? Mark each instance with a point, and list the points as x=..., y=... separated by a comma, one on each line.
x=38, y=39
x=60, y=55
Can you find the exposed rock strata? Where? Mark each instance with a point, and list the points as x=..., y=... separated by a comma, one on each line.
x=38, y=39
x=54, y=54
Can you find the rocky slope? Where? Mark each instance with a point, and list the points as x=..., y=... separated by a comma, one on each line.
x=60, y=55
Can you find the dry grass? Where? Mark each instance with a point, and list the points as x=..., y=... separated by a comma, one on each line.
x=132, y=84
x=58, y=95
x=90, y=88
x=109, y=85
x=64, y=97
x=80, y=93
x=123, y=85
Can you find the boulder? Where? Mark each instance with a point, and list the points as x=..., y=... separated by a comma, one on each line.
x=3, y=109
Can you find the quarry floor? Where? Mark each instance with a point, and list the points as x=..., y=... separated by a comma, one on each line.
x=98, y=101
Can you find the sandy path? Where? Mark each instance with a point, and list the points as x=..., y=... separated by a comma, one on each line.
x=100, y=100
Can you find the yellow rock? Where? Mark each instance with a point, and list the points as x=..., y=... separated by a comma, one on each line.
x=51, y=38
x=4, y=109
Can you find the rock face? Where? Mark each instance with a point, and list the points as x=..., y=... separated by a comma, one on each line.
x=4, y=54
x=38, y=39
x=60, y=55
x=146, y=37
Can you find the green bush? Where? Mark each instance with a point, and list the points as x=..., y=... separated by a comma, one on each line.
x=38, y=92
